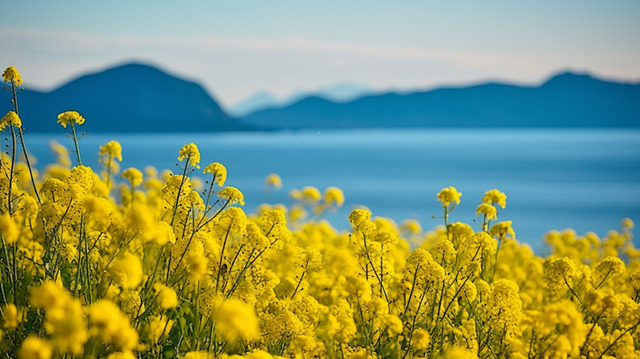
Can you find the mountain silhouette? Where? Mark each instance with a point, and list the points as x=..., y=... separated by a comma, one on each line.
x=567, y=100
x=128, y=98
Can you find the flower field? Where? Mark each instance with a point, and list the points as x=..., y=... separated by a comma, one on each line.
x=104, y=262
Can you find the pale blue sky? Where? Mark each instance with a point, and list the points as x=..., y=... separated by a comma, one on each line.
x=237, y=48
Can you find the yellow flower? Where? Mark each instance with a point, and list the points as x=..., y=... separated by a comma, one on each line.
x=196, y=263
x=273, y=180
x=166, y=296
x=459, y=353
x=449, y=195
x=219, y=172
x=8, y=228
x=334, y=195
x=489, y=211
x=236, y=320
x=420, y=339
x=127, y=271
x=559, y=272
x=113, y=149
x=158, y=326
x=10, y=316
x=10, y=119
x=502, y=229
x=609, y=267
x=495, y=196
x=70, y=117
x=12, y=75
x=35, y=348
x=411, y=226
x=112, y=326
x=359, y=217
x=504, y=304
x=133, y=175
x=191, y=153
x=121, y=355
x=232, y=194
x=310, y=194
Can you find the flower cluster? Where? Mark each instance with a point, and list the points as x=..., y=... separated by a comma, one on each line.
x=144, y=265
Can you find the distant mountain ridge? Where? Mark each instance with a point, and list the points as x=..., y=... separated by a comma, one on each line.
x=132, y=97
x=566, y=100
x=340, y=92
x=136, y=97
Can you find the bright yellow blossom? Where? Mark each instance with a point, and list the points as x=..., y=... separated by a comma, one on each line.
x=218, y=171
x=113, y=149
x=133, y=175
x=448, y=196
x=488, y=211
x=310, y=194
x=10, y=119
x=12, y=75
x=166, y=296
x=273, y=180
x=127, y=271
x=236, y=320
x=191, y=153
x=35, y=348
x=10, y=316
x=70, y=117
x=232, y=194
x=8, y=228
x=334, y=195
x=495, y=196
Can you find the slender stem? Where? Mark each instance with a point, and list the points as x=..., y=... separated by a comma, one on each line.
x=108, y=179
x=304, y=271
x=24, y=146
x=384, y=291
x=75, y=142
x=224, y=244
x=11, y=171
x=184, y=176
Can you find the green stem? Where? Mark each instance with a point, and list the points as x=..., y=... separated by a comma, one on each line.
x=175, y=205
x=75, y=142
x=24, y=146
x=11, y=170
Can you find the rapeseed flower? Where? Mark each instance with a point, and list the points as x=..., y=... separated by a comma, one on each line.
x=10, y=316
x=112, y=149
x=488, y=211
x=12, y=75
x=273, y=180
x=10, y=119
x=70, y=117
x=232, y=194
x=448, y=196
x=334, y=196
x=133, y=175
x=236, y=320
x=191, y=153
x=495, y=197
x=218, y=171
x=33, y=347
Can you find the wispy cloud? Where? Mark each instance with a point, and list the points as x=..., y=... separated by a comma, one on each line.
x=236, y=67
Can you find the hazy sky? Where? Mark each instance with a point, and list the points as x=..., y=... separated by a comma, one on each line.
x=236, y=48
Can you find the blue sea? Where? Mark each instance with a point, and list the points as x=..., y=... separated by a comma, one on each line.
x=588, y=180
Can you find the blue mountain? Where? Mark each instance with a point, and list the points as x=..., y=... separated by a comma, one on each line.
x=566, y=100
x=129, y=98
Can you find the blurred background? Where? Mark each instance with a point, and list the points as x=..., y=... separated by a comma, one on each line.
x=388, y=101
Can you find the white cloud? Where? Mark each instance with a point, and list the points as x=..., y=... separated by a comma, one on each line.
x=233, y=68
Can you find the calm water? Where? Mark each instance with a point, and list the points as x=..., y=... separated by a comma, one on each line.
x=587, y=180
